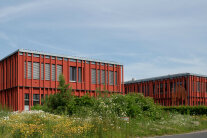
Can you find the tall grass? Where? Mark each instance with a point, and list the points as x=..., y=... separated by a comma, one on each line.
x=4, y=111
x=65, y=115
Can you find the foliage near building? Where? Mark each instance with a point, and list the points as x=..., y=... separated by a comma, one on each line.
x=66, y=115
x=192, y=110
x=131, y=105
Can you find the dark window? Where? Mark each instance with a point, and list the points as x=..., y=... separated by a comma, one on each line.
x=178, y=83
x=185, y=84
x=161, y=88
x=79, y=74
x=42, y=99
x=98, y=76
x=166, y=88
x=138, y=88
x=73, y=74
x=107, y=77
x=25, y=68
x=42, y=71
x=36, y=99
x=153, y=89
x=142, y=88
x=201, y=89
x=102, y=76
x=206, y=87
x=198, y=86
x=115, y=78
x=26, y=99
x=148, y=90
x=171, y=86
x=126, y=90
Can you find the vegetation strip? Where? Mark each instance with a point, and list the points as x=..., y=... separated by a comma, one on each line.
x=65, y=115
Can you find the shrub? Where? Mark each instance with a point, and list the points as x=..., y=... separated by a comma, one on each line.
x=192, y=110
x=130, y=105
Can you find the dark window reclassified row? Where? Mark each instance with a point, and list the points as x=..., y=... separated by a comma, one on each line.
x=50, y=73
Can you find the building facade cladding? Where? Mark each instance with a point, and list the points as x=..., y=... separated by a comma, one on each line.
x=27, y=77
x=172, y=90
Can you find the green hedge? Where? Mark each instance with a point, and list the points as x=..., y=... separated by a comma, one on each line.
x=192, y=110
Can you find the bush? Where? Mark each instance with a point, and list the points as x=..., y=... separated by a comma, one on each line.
x=192, y=110
x=130, y=105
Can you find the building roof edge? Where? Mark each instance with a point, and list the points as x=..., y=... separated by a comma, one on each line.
x=165, y=77
x=9, y=55
x=63, y=56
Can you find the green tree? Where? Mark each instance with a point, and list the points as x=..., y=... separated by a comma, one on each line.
x=59, y=102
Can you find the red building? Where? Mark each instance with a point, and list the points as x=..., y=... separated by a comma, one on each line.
x=27, y=76
x=178, y=89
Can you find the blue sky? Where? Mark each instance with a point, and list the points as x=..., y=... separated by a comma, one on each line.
x=150, y=37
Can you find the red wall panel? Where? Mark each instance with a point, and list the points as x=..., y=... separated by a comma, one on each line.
x=14, y=85
x=191, y=83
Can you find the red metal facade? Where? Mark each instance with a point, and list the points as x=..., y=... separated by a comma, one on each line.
x=14, y=83
x=162, y=89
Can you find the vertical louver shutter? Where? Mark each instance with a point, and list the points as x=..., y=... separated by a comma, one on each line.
x=47, y=71
x=79, y=74
x=93, y=76
x=106, y=77
x=115, y=78
x=29, y=70
x=59, y=71
x=102, y=76
x=71, y=73
x=53, y=72
x=42, y=71
x=98, y=75
x=111, y=77
x=25, y=68
x=36, y=70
